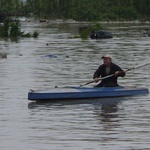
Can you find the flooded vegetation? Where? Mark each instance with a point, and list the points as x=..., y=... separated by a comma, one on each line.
x=12, y=29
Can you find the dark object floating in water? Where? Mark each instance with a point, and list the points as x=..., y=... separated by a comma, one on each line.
x=43, y=20
x=50, y=56
x=101, y=34
x=3, y=55
x=147, y=32
x=54, y=56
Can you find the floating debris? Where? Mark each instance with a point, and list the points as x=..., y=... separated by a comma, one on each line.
x=50, y=56
x=3, y=55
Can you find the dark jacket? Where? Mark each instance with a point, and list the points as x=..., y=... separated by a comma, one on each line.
x=111, y=81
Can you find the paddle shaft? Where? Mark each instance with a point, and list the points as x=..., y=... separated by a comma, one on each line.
x=113, y=74
x=136, y=67
x=98, y=80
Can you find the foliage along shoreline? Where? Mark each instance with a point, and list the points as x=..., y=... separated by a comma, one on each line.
x=87, y=10
x=83, y=10
x=73, y=11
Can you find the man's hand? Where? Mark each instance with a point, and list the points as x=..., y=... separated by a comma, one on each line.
x=96, y=79
x=117, y=73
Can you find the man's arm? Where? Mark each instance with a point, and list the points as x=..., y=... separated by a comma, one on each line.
x=97, y=73
x=119, y=72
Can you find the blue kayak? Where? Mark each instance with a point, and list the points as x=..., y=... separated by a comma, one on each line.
x=85, y=93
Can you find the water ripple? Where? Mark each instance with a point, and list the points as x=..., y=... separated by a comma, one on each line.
x=120, y=124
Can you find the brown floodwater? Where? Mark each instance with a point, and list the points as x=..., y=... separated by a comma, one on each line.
x=103, y=124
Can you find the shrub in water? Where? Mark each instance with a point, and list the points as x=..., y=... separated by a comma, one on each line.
x=12, y=28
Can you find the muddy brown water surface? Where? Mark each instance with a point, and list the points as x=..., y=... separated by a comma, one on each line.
x=117, y=123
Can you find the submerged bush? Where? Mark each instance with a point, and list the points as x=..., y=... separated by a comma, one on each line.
x=85, y=32
x=35, y=34
x=12, y=28
x=15, y=29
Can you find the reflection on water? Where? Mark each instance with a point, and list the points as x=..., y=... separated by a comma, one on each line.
x=121, y=123
x=108, y=112
x=103, y=102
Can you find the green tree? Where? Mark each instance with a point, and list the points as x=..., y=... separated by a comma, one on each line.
x=89, y=9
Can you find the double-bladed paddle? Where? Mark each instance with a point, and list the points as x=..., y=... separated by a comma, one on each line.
x=99, y=79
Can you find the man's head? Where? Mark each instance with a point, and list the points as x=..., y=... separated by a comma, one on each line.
x=107, y=59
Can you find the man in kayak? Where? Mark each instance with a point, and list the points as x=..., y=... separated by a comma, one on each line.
x=106, y=69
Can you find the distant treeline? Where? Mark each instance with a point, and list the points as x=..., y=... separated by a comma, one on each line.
x=82, y=10
x=11, y=6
